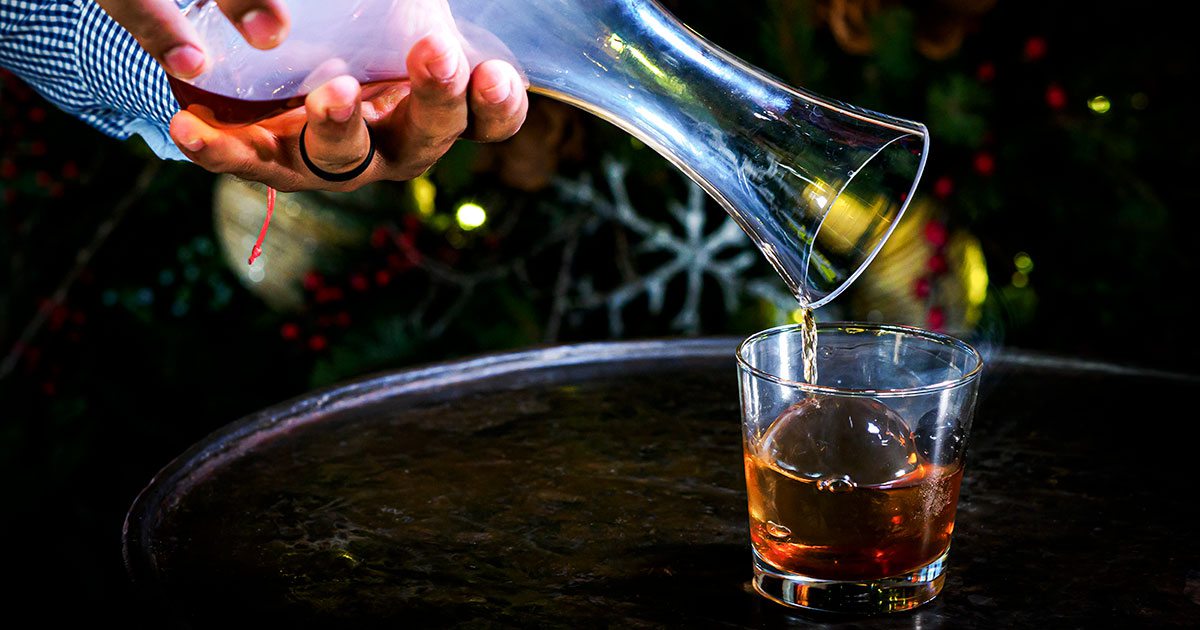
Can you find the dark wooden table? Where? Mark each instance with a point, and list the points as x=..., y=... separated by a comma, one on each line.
x=601, y=486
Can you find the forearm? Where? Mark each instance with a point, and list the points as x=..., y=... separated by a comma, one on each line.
x=83, y=62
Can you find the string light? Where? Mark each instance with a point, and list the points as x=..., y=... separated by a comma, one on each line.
x=1099, y=104
x=1023, y=262
x=470, y=216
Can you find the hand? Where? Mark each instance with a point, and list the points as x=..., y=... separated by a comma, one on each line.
x=413, y=122
x=164, y=33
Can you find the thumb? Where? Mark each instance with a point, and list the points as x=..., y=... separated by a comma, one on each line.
x=162, y=31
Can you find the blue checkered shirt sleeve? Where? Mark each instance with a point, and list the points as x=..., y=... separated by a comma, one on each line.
x=78, y=58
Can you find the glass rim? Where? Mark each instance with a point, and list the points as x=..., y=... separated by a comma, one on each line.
x=909, y=331
x=918, y=130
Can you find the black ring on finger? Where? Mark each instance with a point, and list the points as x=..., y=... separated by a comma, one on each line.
x=338, y=177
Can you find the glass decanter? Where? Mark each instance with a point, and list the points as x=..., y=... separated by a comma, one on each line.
x=818, y=185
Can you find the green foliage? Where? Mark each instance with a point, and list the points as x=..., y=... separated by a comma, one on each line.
x=956, y=108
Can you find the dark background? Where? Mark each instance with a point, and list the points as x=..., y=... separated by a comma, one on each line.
x=129, y=331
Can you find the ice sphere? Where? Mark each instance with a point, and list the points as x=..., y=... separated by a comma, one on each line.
x=855, y=440
x=939, y=439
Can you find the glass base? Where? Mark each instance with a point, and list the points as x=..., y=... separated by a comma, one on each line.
x=891, y=594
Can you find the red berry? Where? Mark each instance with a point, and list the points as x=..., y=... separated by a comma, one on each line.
x=935, y=233
x=317, y=343
x=343, y=319
x=329, y=294
x=986, y=72
x=1056, y=97
x=1035, y=48
x=943, y=187
x=937, y=264
x=382, y=278
x=922, y=288
x=358, y=282
x=312, y=281
x=379, y=237
x=289, y=331
x=937, y=318
x=985, y=164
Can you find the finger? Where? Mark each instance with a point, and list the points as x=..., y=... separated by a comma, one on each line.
x=337, y=139
x=264, y=23
x=249, y=152
x=437, y=107
x=498, y=102
x=162, y=31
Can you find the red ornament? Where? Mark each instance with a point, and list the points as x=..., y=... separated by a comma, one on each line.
x=986, y=72
x=1035, y=48
x=317, y=343
x=382, y=278
x=1056, y=97
x=290, y=331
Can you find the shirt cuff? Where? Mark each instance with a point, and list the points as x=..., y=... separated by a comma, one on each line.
x=129, y=89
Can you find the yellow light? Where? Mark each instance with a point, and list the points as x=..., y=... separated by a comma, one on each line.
x=1020, y=280
x=616, y=43
x=470, y=216
x=424, y=194
x=1023, y=262
x=1099, y=104
x=798, y=316
x=976, y=281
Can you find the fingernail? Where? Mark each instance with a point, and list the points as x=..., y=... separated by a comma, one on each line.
x=498, y=93
x=185, y=61
x=192, y=143
x=340, y=114
x=444, y=64
x=262, y=28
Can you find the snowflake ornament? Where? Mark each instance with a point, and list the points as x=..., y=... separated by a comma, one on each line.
x=725, y=254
